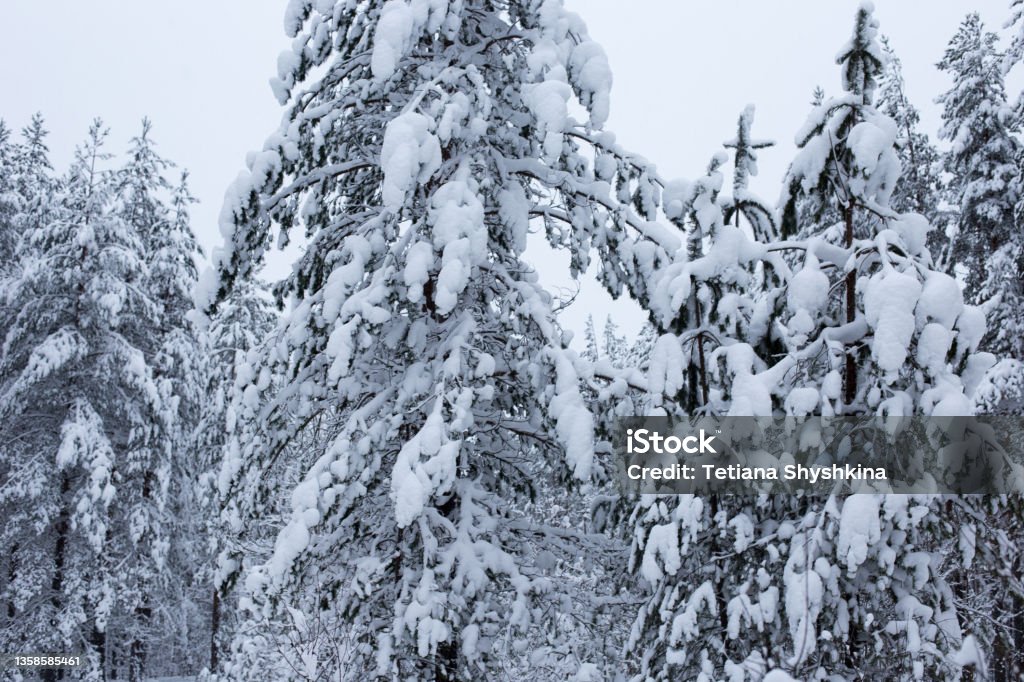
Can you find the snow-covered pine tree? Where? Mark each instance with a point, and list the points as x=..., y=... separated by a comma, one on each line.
x=743, y=203
x=703, y=301
x=827, y=587
x=695, y=208
x=419, y=364
x=84, y=427
x=752, y=316
x=1014, y=54
x=984, y=162
x=829, y=169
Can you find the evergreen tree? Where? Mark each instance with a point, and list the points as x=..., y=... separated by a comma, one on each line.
x=419, y=376
x=85, y=427
x=920, y=189
x=615, y=345
x=158, y=214
x=743, y=203
x=592, y=352
x=8, y=202
x=820, y=587
x=983, y=161
x=828, y=168
x=234, y=336
x=26, y=188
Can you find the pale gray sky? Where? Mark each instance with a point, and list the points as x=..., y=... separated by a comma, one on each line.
x=682, y=70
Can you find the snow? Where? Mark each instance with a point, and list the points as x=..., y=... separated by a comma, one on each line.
x=57, y=350
x=808, y=290
x=802, y=402
x=665, y=371
x=876, y=165
x=859, y=529
x=685, y=624
x=514, y=211
x=932, y=347
x=548, y=101
x=970, y=654
x=290, y=543
x=588, y=672
x=889, y=302
x=744, y=529
x=410, y=153
x=457, y=225
x=804, y=593
x=971, y=326
x=662, y=544
x=573, y=421
x=590, y=73
x=392, y=38
x=415, y=479
x=913, y=230
x=941, y=300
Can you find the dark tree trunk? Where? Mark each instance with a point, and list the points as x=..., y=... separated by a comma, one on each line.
x=12, y=575
x=446, y=663
x=850, y=378
x=137, y=649
x=214, y=627
x=59, y=554
x=98, y=641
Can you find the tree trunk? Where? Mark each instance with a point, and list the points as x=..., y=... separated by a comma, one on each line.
x=850, y=378
x=12, y=575
x=137, y=649
x=98, y=641
x=214, y=627
x=59, y=552
x=696, y=374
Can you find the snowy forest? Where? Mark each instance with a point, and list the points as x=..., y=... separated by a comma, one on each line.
x=395, y=462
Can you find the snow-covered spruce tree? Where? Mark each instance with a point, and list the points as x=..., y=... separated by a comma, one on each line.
x=10, y=207
x=984, y=160
x=835, y=586
x=158, y=214
x=419, y=364
x=26, y=188
x=24, y=176
x=85, y=426
x=241, y=324
x=592, y=351
x=32, y=173
x=8, y=202
x=920, y=189
x=695, y=208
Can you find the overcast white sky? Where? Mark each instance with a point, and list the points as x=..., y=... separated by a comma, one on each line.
x=683, y=71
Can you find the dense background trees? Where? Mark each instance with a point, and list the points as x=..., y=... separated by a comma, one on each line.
x=395, y=462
